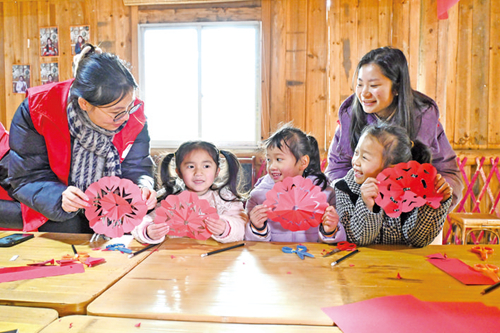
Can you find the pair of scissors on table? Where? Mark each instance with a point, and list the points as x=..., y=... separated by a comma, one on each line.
x=489, y=270
x=341, y=246
x=484, y=251
x=301, y=251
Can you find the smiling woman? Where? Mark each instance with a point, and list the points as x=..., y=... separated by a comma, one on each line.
x=384, y=93
x=69, y=135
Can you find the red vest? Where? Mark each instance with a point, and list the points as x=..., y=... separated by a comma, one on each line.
x=47, y=105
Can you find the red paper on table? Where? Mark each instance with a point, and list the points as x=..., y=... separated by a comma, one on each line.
x=459, y=270
x=8, y=274
x=405, y=313
x=185, y=214
x=296, y=203
x=407, y=186
x=117, y=206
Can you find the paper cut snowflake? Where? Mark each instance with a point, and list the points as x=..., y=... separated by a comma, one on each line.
x=296, y=203
x=117, y=206
x=185, y=214
x=407, y=186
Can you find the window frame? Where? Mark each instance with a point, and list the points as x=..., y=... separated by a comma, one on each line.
x=242, y=145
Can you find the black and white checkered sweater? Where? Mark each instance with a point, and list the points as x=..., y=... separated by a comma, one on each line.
x=363, y=227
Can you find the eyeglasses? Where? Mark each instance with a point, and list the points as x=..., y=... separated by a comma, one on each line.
x=122, y=114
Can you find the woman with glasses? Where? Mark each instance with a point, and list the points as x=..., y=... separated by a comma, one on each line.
x=66, y=136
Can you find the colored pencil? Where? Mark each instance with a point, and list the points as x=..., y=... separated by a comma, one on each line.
x=74, y=251
x=222, y=250
x=142, y=250
x=490, y=288
x=345, y=257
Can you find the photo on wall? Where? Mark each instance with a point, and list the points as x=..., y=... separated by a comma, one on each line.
x=49, y=42
x=49, y=72
x=79, y=36
x=21, y=76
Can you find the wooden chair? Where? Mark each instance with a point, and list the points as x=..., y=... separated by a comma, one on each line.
x=487, y=225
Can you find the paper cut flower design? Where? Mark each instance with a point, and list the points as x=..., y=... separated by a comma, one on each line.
x=407, y=186
x=296, y=203
x=185, y=214
x=117, y=206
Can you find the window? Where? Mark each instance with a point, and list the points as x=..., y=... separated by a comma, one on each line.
x=201, y=81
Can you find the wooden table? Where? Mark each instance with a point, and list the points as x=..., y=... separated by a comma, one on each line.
x=26, y=320
x=261, y=284
x=68, y=294
x=84, y=324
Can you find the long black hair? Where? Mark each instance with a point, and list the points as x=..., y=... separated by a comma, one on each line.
x=170, y=181
x=300, y=144
x=393, y=65
x=101, y=79
x=398, y=148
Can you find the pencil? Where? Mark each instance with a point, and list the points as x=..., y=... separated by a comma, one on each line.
x=222, y=250
x=490, y=288
x=74, y=251
x=142, y=250
x=345, y=257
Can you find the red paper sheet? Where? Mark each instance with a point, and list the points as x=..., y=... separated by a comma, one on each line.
x=296, y=203
x=460, y=271
x=443, y=6
x=32, y=272
x=407, y=314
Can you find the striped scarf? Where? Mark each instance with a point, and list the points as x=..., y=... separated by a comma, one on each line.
x=93, y=156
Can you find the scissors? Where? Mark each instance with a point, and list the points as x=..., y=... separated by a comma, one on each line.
x=488, y=270
x=341, y=246
x=484, y=251
x=301, y=251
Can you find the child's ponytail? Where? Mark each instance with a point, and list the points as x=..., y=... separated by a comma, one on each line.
x=166, y=179
x=314, y=167
x=420, y=152
x=232, y=180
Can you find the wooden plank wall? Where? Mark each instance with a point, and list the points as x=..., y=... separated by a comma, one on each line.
x=310, y=52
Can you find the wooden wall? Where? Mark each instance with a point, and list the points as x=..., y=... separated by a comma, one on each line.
x=309, y=53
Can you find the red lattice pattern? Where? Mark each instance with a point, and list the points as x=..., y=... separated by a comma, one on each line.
x=469, y=193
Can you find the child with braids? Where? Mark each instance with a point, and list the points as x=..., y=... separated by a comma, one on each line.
x=198, y=170
x=381, y=146
x=290, y=152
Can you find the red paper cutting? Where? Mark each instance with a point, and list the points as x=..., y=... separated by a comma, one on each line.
x=405, y=313
x=117, y=206
x=185, y=214
x=407, y=186
x=8, y=274
x=296, y=203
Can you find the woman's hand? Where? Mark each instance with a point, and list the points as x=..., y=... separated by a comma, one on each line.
x=441, y=186
x=157, y=231
x=149, y=196
x=330, y=219
x=216, y=226
x=369, y=192
x=74, y=199
x=258, y=216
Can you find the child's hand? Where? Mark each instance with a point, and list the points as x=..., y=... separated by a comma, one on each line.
x=369, y=192
x=149, y=196
x=258, y=216
x=330, y=219
x=157, y=231
x=216, y=226
x=441, y=186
